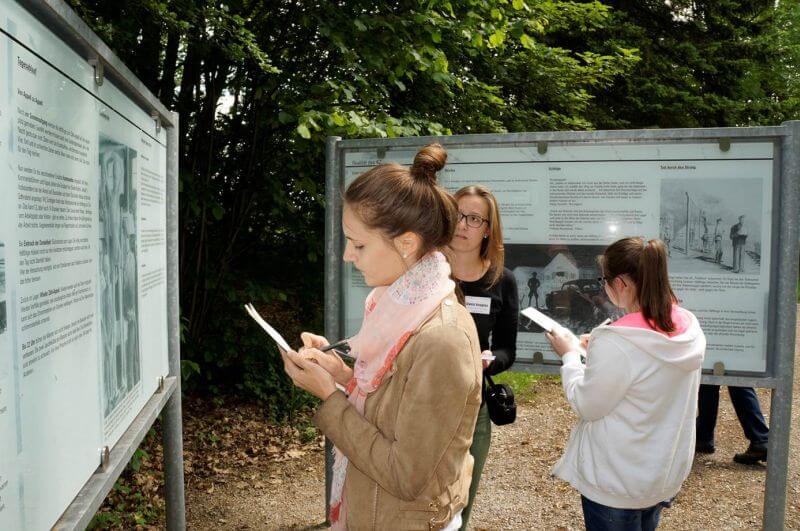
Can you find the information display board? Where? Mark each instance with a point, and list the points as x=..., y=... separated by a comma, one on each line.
x=561, y=208
x=83, y=324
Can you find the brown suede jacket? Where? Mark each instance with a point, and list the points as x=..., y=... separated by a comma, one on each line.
x=410, y=466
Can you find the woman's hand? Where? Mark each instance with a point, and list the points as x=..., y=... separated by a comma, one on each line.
x=308, y=375
x=487, y=362
x=562, y=340
x=313, y=340
x=331, y=362
x=585, y=341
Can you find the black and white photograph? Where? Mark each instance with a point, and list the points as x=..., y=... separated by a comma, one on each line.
x=3, y=315
x=560, y=281
x=712, y=225
x=118, y=301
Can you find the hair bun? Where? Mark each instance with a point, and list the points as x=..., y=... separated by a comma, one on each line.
x=428, y=161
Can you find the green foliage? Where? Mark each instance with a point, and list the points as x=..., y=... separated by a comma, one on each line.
x=784, y=37
x=308, y=434
x=702, y=64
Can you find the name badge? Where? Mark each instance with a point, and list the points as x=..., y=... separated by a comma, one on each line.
x=479, y=305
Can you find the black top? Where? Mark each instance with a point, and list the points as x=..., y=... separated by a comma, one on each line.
x=495, y=310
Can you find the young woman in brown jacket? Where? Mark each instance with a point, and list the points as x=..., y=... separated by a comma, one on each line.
x=404, y=423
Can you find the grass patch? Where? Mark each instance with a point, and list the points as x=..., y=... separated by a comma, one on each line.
x=523, y=383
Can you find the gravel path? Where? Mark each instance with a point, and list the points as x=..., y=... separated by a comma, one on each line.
x=516, y=491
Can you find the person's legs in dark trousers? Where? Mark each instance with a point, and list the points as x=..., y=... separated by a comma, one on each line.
x=479, y=450
x=748, y=410
x=598, y=517
x=707, y=408
x=651, y=517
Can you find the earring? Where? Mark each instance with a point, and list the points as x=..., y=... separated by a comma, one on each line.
x=485, y=236
x=405, y=255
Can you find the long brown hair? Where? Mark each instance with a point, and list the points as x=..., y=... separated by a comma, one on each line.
x=398, y=199
x=492, y=248
x=645, y=261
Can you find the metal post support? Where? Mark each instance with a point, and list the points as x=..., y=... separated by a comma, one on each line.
x=173, y=421
x=780, y=417
x=333, y=266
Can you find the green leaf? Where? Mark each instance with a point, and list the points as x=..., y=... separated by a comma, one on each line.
x=527, y=41
x=497, y=38
x=284, y=117
x=303, y=131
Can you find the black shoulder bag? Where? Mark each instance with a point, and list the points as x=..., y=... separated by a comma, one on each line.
x=500, y=401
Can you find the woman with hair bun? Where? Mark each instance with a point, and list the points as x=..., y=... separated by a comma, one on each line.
x=636, y=398
x=403, y=425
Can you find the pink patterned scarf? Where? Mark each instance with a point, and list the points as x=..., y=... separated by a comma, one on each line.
x=391, y=315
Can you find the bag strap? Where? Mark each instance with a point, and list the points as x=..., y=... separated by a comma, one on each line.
x=488, y=378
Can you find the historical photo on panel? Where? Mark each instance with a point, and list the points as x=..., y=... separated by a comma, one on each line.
x=560, y=281
x=118, y=304
x=3, y=315
x=712, y=225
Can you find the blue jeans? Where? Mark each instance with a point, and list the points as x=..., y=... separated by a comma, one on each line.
x=748, y=410
x=599, y=517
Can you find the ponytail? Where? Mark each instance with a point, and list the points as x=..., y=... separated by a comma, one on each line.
x=654, y=292
x=645, y=261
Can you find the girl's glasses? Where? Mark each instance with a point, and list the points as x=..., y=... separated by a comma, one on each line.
x=607, y=280
x=473, y=220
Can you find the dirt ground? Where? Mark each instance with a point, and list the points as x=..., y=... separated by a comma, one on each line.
x=517, y=492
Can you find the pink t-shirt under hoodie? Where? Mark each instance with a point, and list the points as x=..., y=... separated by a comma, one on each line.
x=680, y=318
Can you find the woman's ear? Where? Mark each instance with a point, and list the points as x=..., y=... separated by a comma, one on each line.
x=408, y=245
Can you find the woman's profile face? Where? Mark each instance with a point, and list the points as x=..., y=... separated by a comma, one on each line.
x=370, y=251
x=471, y=208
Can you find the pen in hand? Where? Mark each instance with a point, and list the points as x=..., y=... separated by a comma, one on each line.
x=342, y=346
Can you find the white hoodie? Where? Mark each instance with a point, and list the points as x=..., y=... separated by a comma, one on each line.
x=637, y=401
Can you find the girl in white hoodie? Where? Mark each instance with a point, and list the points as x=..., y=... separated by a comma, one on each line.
x=636, y=396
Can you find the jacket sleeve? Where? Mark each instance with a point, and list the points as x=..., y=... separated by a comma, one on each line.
x=594, y=390
x=504, y=333
x=431, y=409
